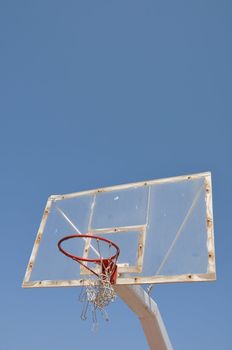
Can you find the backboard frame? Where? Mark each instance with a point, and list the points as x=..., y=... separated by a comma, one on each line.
x=209, y=276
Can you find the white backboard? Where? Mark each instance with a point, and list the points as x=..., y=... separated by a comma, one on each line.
x=164, y=229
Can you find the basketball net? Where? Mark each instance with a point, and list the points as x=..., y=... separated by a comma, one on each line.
x=99, y=292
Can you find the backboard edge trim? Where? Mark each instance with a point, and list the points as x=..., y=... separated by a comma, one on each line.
x=131, y=185
x=126, y=281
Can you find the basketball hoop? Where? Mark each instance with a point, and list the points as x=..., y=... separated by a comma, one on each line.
x=100, y=292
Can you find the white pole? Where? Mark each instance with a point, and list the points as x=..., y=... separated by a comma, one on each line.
x=148, y=313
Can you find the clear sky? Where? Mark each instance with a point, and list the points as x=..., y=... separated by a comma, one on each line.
x=97, y=93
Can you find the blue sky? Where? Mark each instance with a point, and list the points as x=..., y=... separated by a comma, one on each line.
x=96, y=93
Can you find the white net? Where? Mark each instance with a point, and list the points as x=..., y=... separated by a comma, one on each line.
x=102, y=273
x=95, y=298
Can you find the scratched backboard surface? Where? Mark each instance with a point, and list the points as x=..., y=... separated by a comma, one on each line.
x=164, y=229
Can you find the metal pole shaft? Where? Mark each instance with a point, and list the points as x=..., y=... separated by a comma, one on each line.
x=147, y=311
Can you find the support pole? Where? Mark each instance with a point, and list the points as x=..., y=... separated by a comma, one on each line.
x=148, y=313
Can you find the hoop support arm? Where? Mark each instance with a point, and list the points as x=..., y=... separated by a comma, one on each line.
x=147, y=311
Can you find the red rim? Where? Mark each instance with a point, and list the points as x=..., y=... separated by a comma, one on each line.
x=86, y=259
x=80, y=260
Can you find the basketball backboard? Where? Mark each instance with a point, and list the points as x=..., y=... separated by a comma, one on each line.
x=164, y=229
